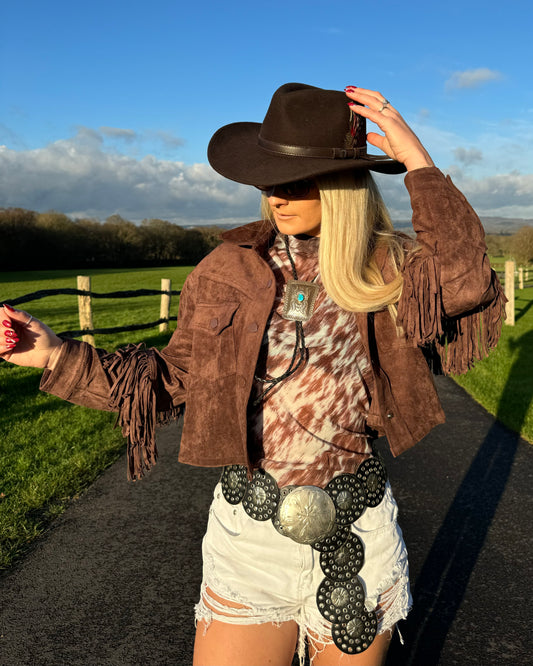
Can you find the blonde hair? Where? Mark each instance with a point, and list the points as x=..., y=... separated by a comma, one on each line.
x=355, y=224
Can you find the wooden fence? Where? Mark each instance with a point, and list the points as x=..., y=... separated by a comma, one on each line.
x=85, y=296
x=509, y=278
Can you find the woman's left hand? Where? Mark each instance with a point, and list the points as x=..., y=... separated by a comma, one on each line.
x=400, y=142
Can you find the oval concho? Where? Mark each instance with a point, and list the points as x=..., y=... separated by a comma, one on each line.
x=357, y=634
x=340, y=601
x=373, y=476
x=334, y=540
x=234, y=481
x=348, y=495
x=261, y=498
x=345, y=562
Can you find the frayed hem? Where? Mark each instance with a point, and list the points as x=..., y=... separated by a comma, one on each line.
x=312, y=631
x=209, y=609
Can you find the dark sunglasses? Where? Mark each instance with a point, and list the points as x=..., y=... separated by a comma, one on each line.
x=298, y=189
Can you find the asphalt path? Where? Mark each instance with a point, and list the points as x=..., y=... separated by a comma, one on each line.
x=115, y=580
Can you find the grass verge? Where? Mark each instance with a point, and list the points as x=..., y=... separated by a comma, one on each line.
x=503, y=382
x=52, y=450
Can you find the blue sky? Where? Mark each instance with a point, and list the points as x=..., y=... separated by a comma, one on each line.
x=107, y=107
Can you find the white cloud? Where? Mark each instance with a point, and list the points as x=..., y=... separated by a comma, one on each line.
x=467, y=156
x=80, y=177
x=503, y=195
x=168, y=139
x=117, y=133
x=472, y=78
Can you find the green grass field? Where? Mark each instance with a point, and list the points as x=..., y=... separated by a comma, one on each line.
x=503, y=383
x=52, y=450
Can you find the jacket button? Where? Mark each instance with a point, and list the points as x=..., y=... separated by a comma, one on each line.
x=214, y=322
x=253, y=328
x=390, y=415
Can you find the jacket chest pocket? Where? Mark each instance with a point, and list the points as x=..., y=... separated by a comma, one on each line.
x=213, y=342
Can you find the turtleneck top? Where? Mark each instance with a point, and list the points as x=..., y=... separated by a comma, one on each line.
x=311, y=425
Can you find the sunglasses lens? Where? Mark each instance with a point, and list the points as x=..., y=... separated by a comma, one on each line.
x=299, y=188
x=296, y=190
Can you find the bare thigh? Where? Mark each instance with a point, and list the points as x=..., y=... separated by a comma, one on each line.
x=223, y=644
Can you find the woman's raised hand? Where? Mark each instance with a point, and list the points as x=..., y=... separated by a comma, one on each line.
x=400, y=142
x=27, y=341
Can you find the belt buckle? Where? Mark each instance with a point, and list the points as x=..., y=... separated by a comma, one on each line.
x=306, y=514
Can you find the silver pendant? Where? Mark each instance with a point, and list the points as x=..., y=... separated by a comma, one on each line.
x=299, y=300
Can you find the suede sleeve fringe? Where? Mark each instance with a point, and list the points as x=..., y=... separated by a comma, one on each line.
x=134, y=372
x=458, y=341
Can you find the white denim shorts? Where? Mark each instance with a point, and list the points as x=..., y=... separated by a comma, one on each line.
x=276, y=579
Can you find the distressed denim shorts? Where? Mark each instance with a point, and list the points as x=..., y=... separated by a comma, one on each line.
x=276, y=579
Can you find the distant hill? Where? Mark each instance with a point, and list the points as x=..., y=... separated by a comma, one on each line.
x=492, y=225
x=505, y=225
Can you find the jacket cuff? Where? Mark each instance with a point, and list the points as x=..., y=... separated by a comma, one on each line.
x=72, y=359
x=425, y=177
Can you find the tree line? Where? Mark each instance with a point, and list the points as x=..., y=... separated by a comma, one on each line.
x=517, y=246
x=37, y=241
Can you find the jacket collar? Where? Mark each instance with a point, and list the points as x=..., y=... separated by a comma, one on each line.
x=257, y=235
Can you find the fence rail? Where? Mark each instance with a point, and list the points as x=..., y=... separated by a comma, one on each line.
x=42, y=293
x=87, y=331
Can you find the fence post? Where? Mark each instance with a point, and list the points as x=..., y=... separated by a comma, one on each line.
x=165, y=304
x=84, y=308
x=509, y=292
x=521, y=277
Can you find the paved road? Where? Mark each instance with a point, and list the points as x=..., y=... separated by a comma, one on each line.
x=113, y=583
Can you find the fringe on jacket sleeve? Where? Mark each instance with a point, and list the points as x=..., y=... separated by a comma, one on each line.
x=458, y=341
x=134, y=374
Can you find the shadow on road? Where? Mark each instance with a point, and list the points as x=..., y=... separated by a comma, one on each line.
x=441, y=585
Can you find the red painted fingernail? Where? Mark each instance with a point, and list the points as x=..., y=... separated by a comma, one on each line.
x=350, y=88
x=10, y=334
x=8, y=307
x=6, y=323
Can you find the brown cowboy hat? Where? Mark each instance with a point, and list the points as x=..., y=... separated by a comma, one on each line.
x=306, y=132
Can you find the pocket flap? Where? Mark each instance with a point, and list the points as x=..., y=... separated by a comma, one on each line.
x=213, y=317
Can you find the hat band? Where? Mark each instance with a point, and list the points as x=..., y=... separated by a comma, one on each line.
x=311, y=151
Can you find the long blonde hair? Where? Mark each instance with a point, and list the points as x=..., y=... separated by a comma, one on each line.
x=355, y=224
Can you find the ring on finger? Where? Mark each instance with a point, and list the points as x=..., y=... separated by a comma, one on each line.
x=384, y=104
x=29, y=321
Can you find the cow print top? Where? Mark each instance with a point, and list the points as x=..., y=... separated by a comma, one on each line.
x=310, y=426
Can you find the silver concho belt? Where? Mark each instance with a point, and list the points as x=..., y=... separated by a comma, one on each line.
x=321, y=518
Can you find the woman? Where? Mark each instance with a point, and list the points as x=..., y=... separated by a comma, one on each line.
x=299, y=340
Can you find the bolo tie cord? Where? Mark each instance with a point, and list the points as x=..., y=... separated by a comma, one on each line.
x=300, y=352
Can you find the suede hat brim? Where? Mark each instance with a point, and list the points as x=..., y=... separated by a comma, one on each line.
x=301, y=119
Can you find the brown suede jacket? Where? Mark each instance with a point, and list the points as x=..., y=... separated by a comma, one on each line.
x=451, y=304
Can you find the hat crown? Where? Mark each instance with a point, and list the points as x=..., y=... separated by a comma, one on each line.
x=307, y=131
x=301, y=115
